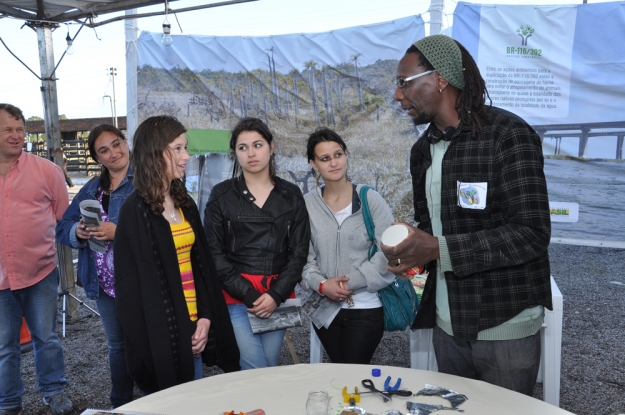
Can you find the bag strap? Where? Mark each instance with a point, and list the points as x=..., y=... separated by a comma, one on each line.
x=366, y=214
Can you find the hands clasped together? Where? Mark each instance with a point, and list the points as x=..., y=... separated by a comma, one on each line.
x=263, y=306
x=337, y=288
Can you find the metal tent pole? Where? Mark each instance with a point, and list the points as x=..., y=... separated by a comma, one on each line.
x=131, y=75
x=48, y=90
x=113, y=74
x=53, y=135
x=436, y=16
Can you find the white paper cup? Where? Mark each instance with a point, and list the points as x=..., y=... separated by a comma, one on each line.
x=394, y=235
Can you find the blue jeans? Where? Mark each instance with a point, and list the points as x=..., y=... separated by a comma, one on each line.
x=257, y=350
x=123, y=386
x=199, y=367
x=354, y=335
x=511, y=364
x=38, y=304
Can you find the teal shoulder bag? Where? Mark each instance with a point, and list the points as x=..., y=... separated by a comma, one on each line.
x=399, y=300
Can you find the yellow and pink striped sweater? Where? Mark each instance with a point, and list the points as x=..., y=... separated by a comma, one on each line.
x=184, y=238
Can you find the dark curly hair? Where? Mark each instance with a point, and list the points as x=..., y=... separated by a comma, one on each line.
x=149, y=166
x=253, y=124
x=105, y=178
x=471, y=101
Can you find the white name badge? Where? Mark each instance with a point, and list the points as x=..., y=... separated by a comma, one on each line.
x=472, y=195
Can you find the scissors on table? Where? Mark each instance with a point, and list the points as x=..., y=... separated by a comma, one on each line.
x=386, y=394
x=368, y=383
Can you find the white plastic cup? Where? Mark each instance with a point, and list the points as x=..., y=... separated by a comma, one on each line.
x=394, y=235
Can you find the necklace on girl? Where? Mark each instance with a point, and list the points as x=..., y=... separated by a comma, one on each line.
x=172, y=215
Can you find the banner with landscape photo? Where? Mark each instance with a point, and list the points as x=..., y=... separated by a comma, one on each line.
x=545, y=63
x=562, y=68
x=295, y=83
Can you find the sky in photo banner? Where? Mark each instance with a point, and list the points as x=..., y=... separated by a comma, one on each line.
x=84, y=82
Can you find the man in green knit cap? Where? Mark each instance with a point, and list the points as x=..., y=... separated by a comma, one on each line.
x=480, y=201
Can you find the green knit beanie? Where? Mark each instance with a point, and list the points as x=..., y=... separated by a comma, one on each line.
x=445, y=56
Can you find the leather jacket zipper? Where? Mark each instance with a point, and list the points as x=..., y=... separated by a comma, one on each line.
x=288, y=235
x=231, y=233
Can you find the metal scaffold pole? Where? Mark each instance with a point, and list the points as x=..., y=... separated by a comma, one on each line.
x=53, y=138
x=48, y=91
x=131, y=75
x=113, y=73
x=436, y=16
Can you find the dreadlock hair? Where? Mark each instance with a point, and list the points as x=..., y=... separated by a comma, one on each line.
x=150, y=148
x=471, y=101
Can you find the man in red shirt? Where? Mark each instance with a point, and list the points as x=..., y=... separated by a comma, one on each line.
x=33, y=197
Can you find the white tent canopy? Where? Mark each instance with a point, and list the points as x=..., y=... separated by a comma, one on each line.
x=60, y=11
x=66, y=10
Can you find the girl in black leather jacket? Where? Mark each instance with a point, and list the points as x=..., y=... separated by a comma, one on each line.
x=258, y=231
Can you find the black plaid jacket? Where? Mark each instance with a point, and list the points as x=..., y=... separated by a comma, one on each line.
x=499, y=254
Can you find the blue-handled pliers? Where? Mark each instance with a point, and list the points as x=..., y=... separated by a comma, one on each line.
x=394, y=390
x=388, y=387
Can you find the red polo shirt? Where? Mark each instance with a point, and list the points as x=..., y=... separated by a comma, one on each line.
x=33, y=197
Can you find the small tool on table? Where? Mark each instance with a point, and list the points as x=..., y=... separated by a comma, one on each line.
x=394, y=390
x=351, y=398
x=367, y=383
x=388, y=387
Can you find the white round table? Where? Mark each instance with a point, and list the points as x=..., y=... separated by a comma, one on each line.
x=283, y=390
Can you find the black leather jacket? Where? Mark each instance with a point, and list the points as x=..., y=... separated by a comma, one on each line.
x=246, y=239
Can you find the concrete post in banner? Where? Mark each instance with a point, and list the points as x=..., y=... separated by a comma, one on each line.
x=131, y=75
x=436, y=16
x=583, y=142
x=53, y=137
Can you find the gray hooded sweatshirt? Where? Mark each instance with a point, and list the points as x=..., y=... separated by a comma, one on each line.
x=342, y=250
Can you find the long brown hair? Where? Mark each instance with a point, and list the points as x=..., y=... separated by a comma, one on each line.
x=105, y=177
x=151, y=140
x=253, y=124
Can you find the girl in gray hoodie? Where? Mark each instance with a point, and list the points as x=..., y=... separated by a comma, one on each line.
x=338, y=266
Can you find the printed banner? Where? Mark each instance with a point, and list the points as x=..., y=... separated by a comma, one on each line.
x=579, y=45
x=528, y=69
x=566, y=76
x=295, y=83
x=562, y=69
